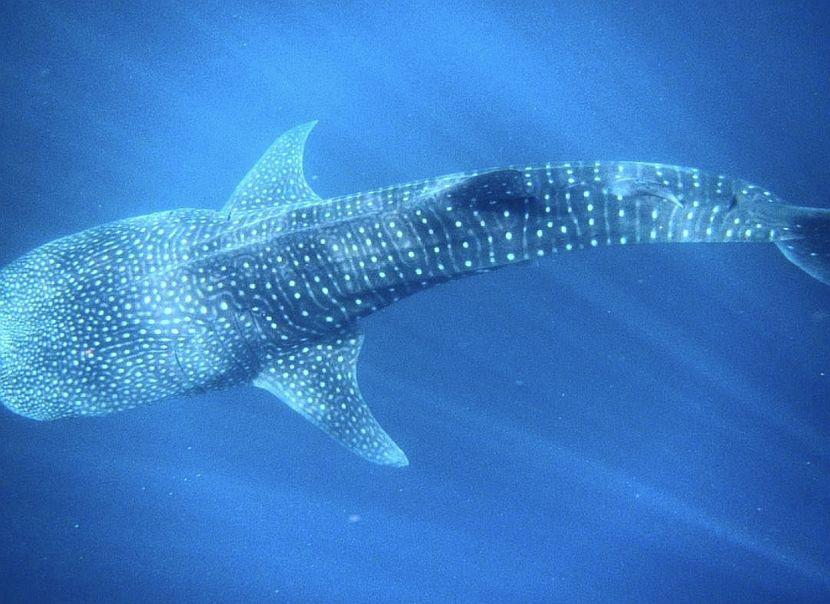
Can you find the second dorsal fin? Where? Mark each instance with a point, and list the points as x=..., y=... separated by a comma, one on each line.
x=277, y=178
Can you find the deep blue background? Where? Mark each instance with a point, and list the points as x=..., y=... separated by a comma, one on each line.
x=620, y=425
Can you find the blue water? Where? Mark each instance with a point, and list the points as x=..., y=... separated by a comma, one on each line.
x=639, y=424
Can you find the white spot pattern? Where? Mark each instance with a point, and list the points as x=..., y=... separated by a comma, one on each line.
x=270, y=289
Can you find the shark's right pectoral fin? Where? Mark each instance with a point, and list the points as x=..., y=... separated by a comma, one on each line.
x=319, y=381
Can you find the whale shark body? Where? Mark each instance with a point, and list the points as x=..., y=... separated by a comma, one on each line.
x=270, y=290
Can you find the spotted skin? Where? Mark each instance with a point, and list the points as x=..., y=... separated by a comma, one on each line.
x=270, y=289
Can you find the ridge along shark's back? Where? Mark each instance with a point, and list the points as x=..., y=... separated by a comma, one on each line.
x=268, y=290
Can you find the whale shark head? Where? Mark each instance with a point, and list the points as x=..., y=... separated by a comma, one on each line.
x=5, y=339
x=30, y=327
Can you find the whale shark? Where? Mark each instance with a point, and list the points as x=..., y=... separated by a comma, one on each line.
x=270, y=290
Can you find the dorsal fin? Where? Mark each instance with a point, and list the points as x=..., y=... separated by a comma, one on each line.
x=277, y=178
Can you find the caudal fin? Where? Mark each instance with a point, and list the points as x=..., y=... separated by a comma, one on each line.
x=809, y=247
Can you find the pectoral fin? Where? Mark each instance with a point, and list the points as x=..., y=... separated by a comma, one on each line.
x=319, y=381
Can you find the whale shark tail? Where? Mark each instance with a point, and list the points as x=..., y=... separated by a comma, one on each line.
x=808, y=243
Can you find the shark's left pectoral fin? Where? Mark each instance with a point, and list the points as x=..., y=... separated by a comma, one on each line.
x=319, y=381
